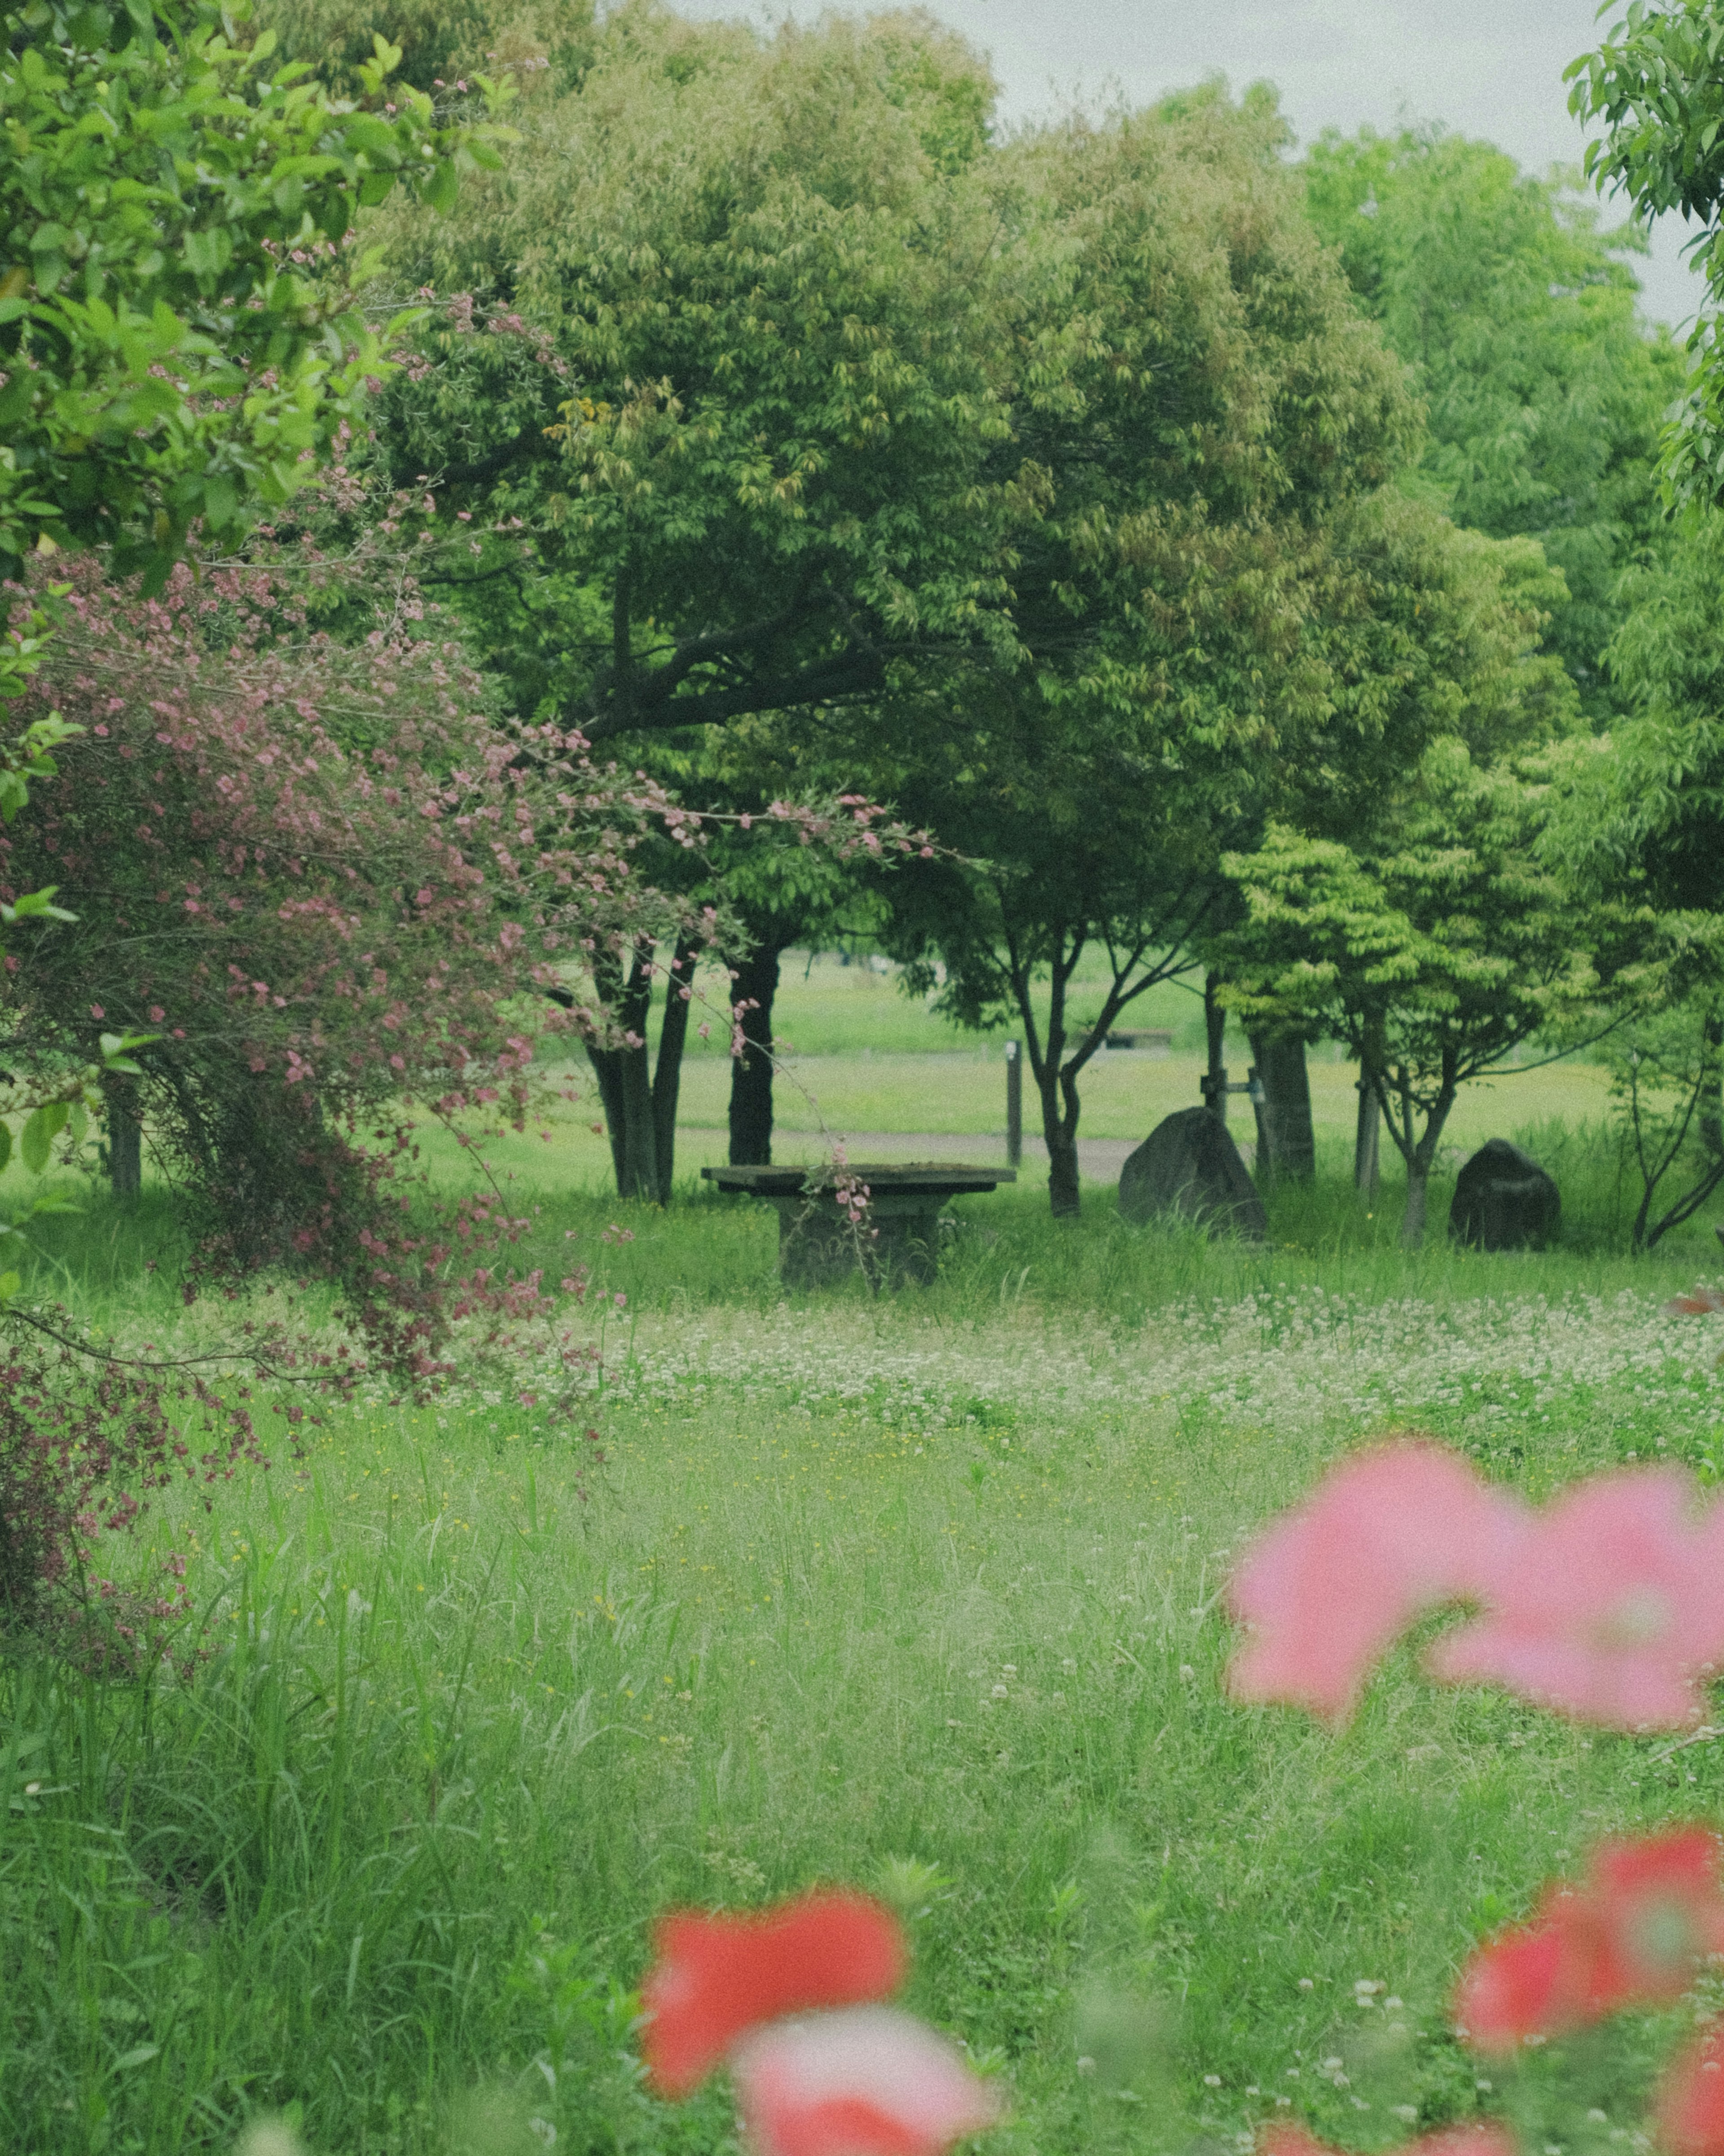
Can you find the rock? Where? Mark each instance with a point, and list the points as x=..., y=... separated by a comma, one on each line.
x=1189, y=1164
x=1503, y=1200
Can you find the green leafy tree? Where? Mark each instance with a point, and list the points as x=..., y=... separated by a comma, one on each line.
x=1656, y=85
x=180, y=327
x=1543, y=392
x=1164, y=356
x=722, y=415
x=1433, y=949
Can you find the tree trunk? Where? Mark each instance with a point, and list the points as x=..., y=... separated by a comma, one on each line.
x=667, y=1071
x=1215, y=1025
x=1368, y=1141
x=751, y=1072
x=1060, y=1133
x=624, y=1086
x=125, y=1137
x=1413, y=1225
x=1711, y=1121
x=1286, y=1109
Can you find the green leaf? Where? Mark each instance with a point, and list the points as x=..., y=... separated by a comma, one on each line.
x=440, y=190
x=36, y=1144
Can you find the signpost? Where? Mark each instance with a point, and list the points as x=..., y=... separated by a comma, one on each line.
x=1014, y=1103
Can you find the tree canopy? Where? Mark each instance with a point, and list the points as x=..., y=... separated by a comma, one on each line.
x=1544, y=394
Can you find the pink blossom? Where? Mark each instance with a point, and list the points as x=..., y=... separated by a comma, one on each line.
x=1388, y=1533
x=1609, y=1604
x=869, y=2082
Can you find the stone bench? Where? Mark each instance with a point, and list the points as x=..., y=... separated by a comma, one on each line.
x=817, y=1242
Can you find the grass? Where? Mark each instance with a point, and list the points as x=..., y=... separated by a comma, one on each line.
x=920, y=1592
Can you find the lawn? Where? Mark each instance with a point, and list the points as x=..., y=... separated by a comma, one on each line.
x=922, y=1593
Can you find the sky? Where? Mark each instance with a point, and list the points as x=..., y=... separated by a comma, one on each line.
x=1485, y=68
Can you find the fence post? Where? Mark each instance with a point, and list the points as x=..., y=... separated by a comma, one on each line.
x=1014, y=1104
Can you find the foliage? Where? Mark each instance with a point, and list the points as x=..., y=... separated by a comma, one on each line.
x=545, y=43
x=1163, y=399
x=726, y=435
x=1433, y=945
x=1517, y=318
x=1665, y=1074
x=324, y=879
x=1654, y=83
x=179, y=323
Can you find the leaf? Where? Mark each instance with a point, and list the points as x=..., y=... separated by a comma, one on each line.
x=37, y=1141
x=140, y=2056
x=439, y=191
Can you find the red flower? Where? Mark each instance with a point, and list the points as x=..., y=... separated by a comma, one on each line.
x=1484, y=2138
x=872, y=2082
x=1688, y=2107
x=1608, y=1606
x=716, y=1977
x=1630, y=1934
x=1388, y=1534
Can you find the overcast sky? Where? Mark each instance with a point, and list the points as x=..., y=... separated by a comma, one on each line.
x=1488, y=67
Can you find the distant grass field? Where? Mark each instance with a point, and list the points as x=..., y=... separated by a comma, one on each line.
x=920, y=1592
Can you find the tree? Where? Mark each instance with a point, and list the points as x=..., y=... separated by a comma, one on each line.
x=1162, y=359
x=179, y=321
x=1544, y=394
x=1433, y=950
x=721, y=413
x=1656, y=85
x=1641, y=829
x=321, y=878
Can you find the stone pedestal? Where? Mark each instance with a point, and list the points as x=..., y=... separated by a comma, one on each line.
x=898, y=1239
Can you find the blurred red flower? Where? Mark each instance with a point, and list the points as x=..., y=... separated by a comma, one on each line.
x=716, y=1977
x=1484, y=2138
x=1688, y=2107
x=1630, y=1934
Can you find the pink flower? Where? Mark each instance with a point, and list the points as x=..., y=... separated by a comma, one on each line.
x=717, y=1976
x=1387, y=1535
x=1609, y=1604
x=873, y=2082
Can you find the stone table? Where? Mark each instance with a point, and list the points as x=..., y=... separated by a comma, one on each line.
x=817, y=1242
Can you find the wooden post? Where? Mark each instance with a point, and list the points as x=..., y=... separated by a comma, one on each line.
x=1014, y=1103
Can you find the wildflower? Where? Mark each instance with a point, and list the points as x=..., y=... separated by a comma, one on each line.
x=1389, y=1533
x=715, y=1977
x=1689, y=2103
x=1608, y=1605
x=1632, y=1933
x=870, y=2081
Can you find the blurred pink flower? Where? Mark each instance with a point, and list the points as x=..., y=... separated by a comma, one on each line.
x=1689, y=2106
x=1608, y=1605
x=1388, y=1534
x=716, y=1977
x=869, y=2081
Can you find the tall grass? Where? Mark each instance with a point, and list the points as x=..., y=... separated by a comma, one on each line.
x=380, y=1846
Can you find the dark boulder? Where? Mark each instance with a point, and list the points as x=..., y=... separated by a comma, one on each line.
x=1504, y=1200
x=1189, y=1164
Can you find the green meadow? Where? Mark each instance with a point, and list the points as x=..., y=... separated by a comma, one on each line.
x=921, y=1593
